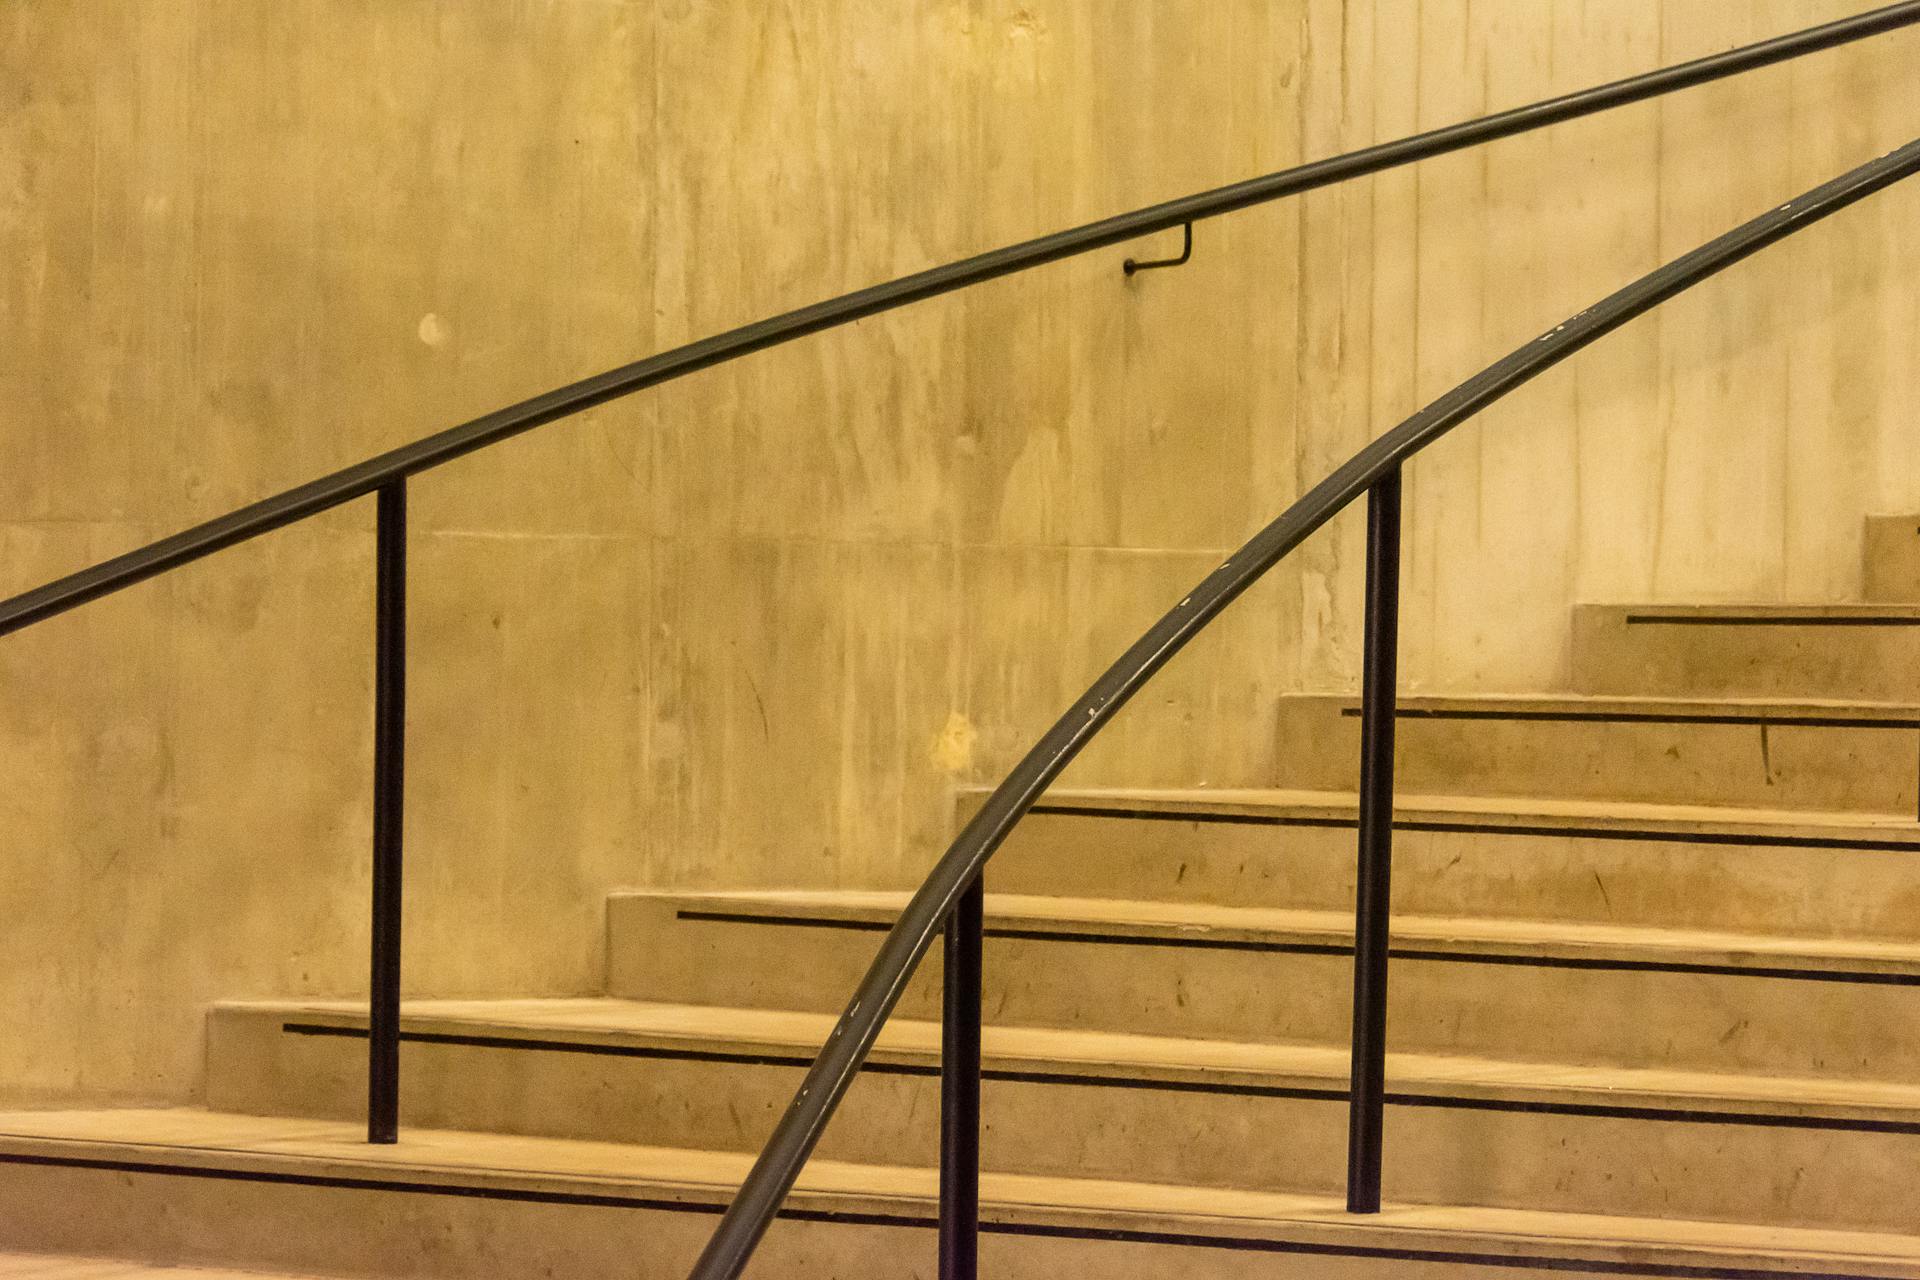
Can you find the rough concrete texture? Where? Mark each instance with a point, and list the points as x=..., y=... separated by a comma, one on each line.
x=751, y=629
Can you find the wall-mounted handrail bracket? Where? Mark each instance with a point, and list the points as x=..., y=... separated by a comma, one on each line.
x=1132, y=265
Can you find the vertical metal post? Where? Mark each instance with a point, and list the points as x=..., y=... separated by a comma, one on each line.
x=960, y=1090
x=389, y=772
x=1367, y=1102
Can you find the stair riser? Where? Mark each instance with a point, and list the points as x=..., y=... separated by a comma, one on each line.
x=1783, y=766
x=398, y=1235
x=1512, y=1011
x=1626, y=652
x=1131, y=1130
x=1892, y=555
x=1681, y=883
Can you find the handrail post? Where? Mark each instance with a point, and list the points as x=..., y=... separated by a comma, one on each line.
x=389, y=772
x=960, y=1088
x=1372, y=896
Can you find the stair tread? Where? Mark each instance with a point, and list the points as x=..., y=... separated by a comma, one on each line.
x=1658, y=706
x=187, y=1139
x=48, y=1266
x=721, y=1029
x=1573, y=940
x=1529, y=811
x=1743, y=609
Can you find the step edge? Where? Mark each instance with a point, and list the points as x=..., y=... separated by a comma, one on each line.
x=1466, y=936
x=1014, y=1199
x=1231, y=1064
x=1599, y=703
x=1473, y=812
x=1757, y=609
x=96, y=1266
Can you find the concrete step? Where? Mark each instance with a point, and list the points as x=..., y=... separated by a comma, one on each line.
x=1858, y=757
x=1748, y=651
x=1105, y=1105
x=215, y=1189
x=1485, y=988
x=1891, y=556
x=1788, y=872
x=49, y=1266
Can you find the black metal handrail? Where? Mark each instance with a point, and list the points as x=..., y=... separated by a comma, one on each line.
x=395, y=465
x=1373, y=470
x=956, y=878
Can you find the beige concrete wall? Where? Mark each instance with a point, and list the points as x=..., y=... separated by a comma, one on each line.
x=1726, y=448
x=751, y=628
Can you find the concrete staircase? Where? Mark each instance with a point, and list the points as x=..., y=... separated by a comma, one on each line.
x=1655, y=1011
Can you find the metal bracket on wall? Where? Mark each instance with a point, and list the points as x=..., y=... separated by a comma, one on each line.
x=1186, y=251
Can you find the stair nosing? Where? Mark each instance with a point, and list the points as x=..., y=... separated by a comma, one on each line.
x=1071, y=1053
x=1897, y=713
x=321, y=1150
x=1813, y=612
x=1476, y=813
x=1185, y=923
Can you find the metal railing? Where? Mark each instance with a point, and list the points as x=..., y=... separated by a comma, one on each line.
x=365, y=478
x=951, y=899
x=956, y=879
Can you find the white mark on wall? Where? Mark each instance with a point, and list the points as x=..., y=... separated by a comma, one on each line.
x=668, y=740
x=434, y=331
x=952, y=749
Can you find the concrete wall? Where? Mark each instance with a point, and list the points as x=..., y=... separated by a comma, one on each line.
x=1726, y=448
x=752, y=628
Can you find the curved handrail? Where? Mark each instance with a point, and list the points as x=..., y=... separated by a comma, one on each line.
x=840, y=1059
x=363, y=478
